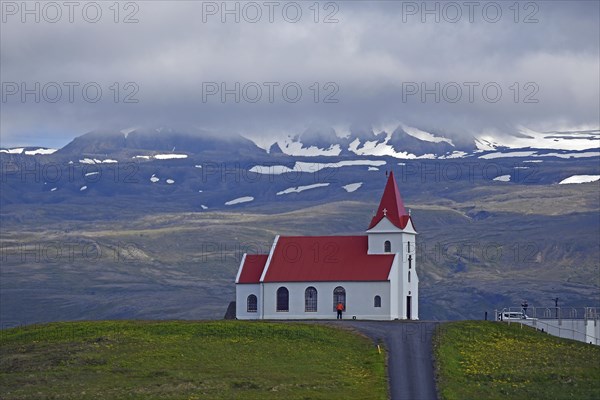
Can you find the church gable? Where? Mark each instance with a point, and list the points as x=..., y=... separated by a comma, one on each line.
x=386, y=226
x=410, y=228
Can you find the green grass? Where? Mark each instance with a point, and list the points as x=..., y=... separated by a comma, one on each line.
x=188, y=360
x=489, y=360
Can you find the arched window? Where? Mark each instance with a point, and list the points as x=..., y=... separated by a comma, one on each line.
x=339, y=296
x=377, y=301
x=283, y=299
x=252, y=303
x=409, y=262
x=387, y=246
x=310, y=299
x=409, y=246
x=408, y=276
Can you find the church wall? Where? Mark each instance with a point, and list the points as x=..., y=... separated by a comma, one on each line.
x=408, y=288
x=395, y=287
x=377, y=241
x=359, y=300
x=242, y=291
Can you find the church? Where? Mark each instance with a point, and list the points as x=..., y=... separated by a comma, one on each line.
x=305, y=277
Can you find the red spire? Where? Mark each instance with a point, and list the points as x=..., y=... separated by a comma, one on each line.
x=391, y=206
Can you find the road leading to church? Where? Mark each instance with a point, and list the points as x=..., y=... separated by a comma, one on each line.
x=410, y=356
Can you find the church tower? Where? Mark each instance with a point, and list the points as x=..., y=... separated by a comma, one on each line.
x=392, y=232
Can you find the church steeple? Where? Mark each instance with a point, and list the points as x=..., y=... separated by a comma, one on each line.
x=391, y=206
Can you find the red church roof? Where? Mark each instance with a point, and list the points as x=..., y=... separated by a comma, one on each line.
x=252, y=268
x=326, y=258
x=391, y=206
x=329, y=258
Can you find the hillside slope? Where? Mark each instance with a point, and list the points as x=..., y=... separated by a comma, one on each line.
x=490, y=360
x=65, y=262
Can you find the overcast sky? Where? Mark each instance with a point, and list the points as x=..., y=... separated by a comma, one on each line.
x=373, y=63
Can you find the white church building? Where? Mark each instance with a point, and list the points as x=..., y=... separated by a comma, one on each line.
x=304, y=277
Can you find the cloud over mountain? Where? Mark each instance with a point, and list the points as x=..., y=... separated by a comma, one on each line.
x=535, y=67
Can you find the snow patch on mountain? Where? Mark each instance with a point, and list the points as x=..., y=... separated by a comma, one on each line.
x=583, y=154
x=509, y=154
x=425, y=136
x=377, y=148
x=529, y=138
x=580, y=179
x=271, y=169
x=454, y=154
x=96, y=161
x=315, y=167
x=299, y=189
x=502, y=178
x=239, y=200
x=382, y=148
x=571, y=155
x=296, y=148
x=40, y=151
x=311, y=167
x=13, y=151
x=352, y=187
x=486, y=144
x=169, y=156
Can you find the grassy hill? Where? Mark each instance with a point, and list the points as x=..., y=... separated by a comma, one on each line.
x=487, y=360
x=188, y=360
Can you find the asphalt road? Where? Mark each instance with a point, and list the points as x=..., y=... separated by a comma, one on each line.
x=410, y=364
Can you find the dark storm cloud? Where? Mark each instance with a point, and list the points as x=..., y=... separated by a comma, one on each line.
x=370, y=61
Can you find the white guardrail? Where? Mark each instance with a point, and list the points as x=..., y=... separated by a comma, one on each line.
x=582, y=324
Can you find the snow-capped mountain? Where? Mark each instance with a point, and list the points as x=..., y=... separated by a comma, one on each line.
x=203, y=171
x=396, y=140
x=406, y=142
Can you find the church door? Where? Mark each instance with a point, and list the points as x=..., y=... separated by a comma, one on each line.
x=408, y=306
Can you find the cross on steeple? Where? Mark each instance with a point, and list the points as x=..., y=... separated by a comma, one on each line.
x=385, y=211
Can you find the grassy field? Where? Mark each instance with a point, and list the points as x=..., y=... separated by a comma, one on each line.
x=487, y=360
x=188, y=360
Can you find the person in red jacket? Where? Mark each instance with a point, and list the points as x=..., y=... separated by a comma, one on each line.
x=339, y=308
